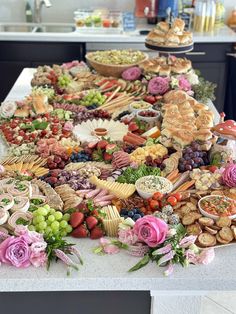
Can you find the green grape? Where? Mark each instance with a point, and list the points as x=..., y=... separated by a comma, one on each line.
x=63, y=224
x=35, y=220
x=31, y=228
x=63, y=233
x=52, y=211
x=40, y=219
x=58, y=215
x=66, y=217
x=48, y=230
x=35, y=213
x=37, y=227
x=69, y=229
x=47, y=207
x=55, y=225
x=43, y=211
x=51, y=218
x=43, y=225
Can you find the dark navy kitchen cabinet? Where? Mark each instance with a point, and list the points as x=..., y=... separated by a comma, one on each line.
x=15, y=56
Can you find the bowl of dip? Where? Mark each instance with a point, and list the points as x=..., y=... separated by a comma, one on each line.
x=216, y=206
x=148, y=185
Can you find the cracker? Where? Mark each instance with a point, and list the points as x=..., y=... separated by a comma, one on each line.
x=188, y=219
x=220, y=240
x=223, y=222
x=226, y=234
x=206, y=239
x=205, y=221
x=211, y=231
x=194, y=229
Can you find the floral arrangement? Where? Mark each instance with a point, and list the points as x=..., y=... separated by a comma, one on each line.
x=29, y=248
x=153, y=240
x=159, y=85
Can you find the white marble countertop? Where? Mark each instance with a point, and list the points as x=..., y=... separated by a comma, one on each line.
x=222, y=35
x=109, y=272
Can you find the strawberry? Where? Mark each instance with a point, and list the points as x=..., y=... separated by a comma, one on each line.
x=92, y=145
x=91, y=222
x=107, y=157
x=96, y=233
x=133, y=126
x=80, y=232
x=102, y=144
x=76, y=219
x=82, y=207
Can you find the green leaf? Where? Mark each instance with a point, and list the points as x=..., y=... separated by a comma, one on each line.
x=40, y=125
x=181, y=230
x=143, y=262
x=22, y=221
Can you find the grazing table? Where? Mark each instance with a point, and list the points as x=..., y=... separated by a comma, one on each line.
x=103, y=284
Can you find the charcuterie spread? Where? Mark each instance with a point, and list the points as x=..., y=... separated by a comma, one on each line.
x=134, y=159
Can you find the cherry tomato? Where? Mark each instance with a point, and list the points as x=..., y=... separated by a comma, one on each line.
x=172, y=200
x=178, y=196
x=154, y=204
x=157, y=196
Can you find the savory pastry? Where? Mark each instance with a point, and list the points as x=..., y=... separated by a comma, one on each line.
x=162, y=28
x=204, y=121
x=164, y=70
x=176, y=97
x=178, y=26
x=172, y=39
x=182, y=138
x=186, y=38
x=155, y=38
x=39, y=103
x=22, y=112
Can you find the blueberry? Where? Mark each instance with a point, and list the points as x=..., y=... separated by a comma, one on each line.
x=125, y=216
x=142, y=214
x=135, y=210
x=124, y=211
x=130, y=213
x=136, y=216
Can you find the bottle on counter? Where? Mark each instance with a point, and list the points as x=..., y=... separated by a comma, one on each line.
x=232, y=19
x=220, y=13
x=28, y=13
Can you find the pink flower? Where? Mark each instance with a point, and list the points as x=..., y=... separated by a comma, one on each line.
x=127, y=236
x=184, y=83
x=38, y=259
x=191, y=257
x=206, y=256
x=15, y=251
x=108, y=247
x=169, y=270
x=29, y=236
x=187, y=241
x=166, y=258
x=151, y=230
x=158, y=85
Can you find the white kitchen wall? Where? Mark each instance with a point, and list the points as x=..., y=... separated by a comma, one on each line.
x=62, y=11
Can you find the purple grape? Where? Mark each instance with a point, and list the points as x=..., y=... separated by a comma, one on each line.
x=181, y=167
x=188, y=167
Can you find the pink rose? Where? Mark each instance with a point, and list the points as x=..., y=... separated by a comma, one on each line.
x=158, y=85
x=15, y=252
x=184, y=83
x=127, y=236
x=151, y=230
x=191, y=257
